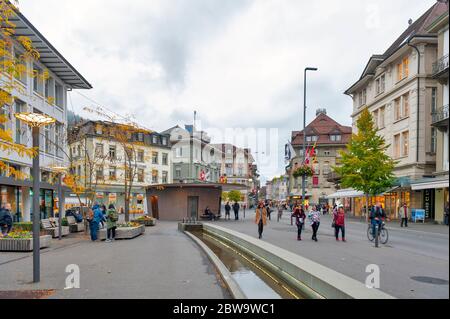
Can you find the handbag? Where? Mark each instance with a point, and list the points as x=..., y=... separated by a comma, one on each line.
x=333, y=225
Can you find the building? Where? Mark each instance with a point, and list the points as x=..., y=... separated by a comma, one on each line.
x=437, y=186
x=175, y=202
x=194, y=159
x=329, y=137
x=278, y=188
x=98, y=156
x=399, y=88
x=237, y=167
x=43, y=96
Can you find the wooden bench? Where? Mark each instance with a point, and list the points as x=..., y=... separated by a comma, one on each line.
x=51, y=227
x=74, y=227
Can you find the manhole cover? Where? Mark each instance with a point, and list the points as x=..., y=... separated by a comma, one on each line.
x=26, y=294
x=431, y=280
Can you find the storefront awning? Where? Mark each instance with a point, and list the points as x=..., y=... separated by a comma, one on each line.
x=430, y=185
x=346, y=193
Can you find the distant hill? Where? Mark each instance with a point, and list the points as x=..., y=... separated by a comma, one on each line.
x=74, y=119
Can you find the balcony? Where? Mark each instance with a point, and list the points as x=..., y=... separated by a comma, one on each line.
x=440, y=117
x=440, y=68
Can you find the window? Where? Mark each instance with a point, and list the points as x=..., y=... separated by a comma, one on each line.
x=165, y=159
x=380, y=84
x=154, y=157
x=155, y=139
x=99, y=173
x=59, y=139
x=155, y=177
x=140, y=156
x=98, y=129
x=140, y=175
x=48, y=140
x=403, y=69
x=312, y=138
x=3, y=114
x=363, y=97
x=38, y=85
x=382, y=117
x=326, y=168
x=112, y=152
x=99, y=150
x=164, y=140
x=335, y=137
x=20, y=107
x=165, y=177
x=326, y=153
x=179, y=152
x=405, y=143
x=21, y=67
x=433, y=100
x=112, y=173
x=59, y=95
x=397, y=146
x=401, y=107
x=229, y=169
x=49, y=88
x=433, y=140
x=375, y=118
x=129, y=153
x=140, y=137
x=178, y=172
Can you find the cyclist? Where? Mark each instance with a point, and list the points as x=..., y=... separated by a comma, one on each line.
x=377, y=215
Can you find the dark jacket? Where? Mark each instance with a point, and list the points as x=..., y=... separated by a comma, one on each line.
x=5, y=217
x=377, y=212
x=236, y=207
x=227, y=208
x=300, y=216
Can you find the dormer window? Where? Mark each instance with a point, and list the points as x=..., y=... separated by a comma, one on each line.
x=335, y=137
x=380, y=84
x=312, y=138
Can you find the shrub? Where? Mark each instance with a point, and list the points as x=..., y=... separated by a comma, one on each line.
x=23, y=226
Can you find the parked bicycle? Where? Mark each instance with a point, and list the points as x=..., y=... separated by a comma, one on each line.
x=383, y=234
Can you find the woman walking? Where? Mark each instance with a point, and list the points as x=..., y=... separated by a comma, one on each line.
x=261, y=218
x=300, y=217
x=339, y=222
x=314, y=218
x=111, y=223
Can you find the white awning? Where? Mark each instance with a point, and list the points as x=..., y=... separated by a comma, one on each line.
x=430, y=185
x=346, y=193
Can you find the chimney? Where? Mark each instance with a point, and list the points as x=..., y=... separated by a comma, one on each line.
x=410, y=21
x=321, y=111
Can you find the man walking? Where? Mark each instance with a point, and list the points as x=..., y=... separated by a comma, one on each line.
x=227, y=211
x=6, y=219
x=403, y=213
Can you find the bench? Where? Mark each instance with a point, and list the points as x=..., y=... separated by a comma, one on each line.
x=74, y=227
x=51, y=227
x=208, y=217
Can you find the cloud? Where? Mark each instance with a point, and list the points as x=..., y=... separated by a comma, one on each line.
x=239, y=63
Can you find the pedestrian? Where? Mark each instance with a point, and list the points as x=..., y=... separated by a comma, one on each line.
x=6, y=220
x=300, y=217
x=104, y=211
x=403, y=213
x=314, y=218
x=244, y=206
x=269, y=210
x=280, y=212
x=339, y=222
x=227, y=210
x=446, y=211
x=94, y=218
x=261, y=218
x=111, y=223
x=236, y=208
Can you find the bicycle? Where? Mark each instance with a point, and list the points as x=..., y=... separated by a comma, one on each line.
x=383, y=234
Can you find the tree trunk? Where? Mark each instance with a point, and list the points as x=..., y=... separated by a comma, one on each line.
x=367, y=208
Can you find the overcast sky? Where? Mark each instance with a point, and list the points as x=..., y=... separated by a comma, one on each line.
x=239, y=63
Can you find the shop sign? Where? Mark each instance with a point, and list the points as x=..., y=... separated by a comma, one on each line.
x=112, y=197
x=428, y=203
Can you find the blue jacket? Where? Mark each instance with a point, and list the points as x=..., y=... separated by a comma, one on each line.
x=98, y=214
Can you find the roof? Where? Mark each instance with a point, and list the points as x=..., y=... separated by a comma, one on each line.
x=49, y=56
x=323, y=126
x=416, y=29
x=187, y=185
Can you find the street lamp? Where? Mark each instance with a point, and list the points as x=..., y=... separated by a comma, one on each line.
x=304, y=132
x=36, y=121
x=60, y=171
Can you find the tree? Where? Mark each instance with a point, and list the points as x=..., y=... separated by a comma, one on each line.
x=225, y=196
x=366, y=166
x=13, y=67
x=234, y=196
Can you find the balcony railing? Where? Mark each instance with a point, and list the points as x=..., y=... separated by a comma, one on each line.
x=440, y=114
x=440, y=65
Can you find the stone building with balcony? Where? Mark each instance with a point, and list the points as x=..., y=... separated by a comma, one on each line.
x=329, y=137
x=402, y=91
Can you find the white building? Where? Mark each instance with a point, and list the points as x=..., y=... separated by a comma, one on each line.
x=33, y=97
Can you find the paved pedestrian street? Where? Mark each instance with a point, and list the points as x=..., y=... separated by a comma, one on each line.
x=419, y=251
x=163, y=263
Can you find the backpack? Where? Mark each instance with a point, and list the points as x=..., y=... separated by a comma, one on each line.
x=90, y=215
x=113, y=216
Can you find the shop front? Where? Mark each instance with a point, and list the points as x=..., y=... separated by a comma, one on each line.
x=13, y=196
x=117, y=198
x=435, y=197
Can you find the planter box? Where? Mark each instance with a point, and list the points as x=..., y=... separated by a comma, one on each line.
x=146, y=223
x=124, y=232
x=23, y=245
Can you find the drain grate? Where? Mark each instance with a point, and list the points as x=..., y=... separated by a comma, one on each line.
x=26, y=294
x=430, y=280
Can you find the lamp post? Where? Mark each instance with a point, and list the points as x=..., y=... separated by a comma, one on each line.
x=304, y=133
x=36, y=121
x=60, y=170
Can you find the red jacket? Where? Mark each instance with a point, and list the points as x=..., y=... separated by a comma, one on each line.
x=339, y=219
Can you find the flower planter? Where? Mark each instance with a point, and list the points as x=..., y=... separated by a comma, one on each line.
x=23, y=245
x=124, y=232
x=146, y=223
